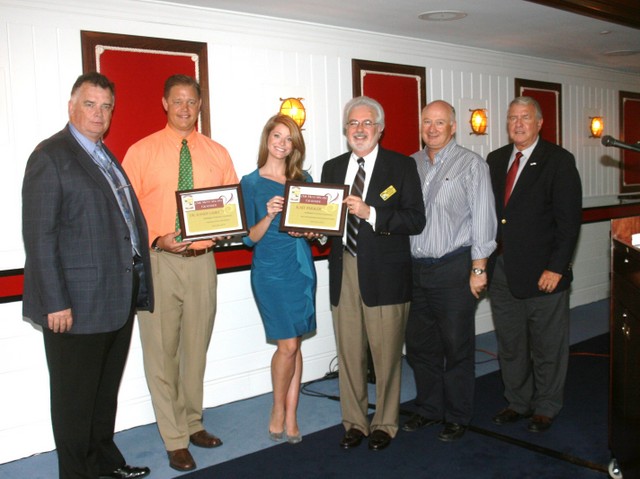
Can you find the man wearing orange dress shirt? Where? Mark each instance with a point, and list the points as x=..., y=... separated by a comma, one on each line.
x=175, y=337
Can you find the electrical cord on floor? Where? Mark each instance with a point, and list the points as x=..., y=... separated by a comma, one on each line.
x=593, y=355
x=492, y=356
x=332, y=374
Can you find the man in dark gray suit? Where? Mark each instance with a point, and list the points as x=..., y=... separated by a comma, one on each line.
x=84, y=276
x=538, y=198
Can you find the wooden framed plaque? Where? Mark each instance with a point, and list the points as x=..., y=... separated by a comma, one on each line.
x=211, y=212
x=314, y=208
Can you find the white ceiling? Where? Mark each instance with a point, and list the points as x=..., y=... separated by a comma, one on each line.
x=514, y=26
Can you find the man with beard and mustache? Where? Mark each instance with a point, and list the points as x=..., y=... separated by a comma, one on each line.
x=370, y=271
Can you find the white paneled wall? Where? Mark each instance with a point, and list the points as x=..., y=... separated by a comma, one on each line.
x=253, y=62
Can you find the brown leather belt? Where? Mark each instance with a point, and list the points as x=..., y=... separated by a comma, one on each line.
x=196, y=252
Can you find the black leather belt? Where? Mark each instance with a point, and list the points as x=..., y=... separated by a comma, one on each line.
x=450, y=254
x=188, y=253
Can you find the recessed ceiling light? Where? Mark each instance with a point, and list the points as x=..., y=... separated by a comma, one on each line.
x=621, y=53
x=442, y=15
x=605, y=32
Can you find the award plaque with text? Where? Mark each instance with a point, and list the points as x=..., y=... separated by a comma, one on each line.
x=314, y=208
x=209, y=212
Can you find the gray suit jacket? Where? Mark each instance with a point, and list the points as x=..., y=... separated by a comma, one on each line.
x=78, y=250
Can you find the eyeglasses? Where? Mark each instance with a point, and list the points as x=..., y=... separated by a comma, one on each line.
x=365, y=124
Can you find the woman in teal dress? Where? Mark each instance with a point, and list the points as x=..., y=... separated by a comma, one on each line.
x=283, y=276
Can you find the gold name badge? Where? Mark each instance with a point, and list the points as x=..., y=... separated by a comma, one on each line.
x=388, y=193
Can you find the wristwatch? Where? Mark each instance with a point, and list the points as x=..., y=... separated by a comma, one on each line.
x=477, y=271
x=154, y=245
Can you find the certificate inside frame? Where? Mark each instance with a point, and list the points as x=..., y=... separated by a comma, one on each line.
x=315, y=197
x=200, y=215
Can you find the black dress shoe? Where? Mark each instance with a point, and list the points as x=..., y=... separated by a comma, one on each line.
x=378, y=440
x=417, y=421
x=127, y=472
x=539, y=423
x=351, y=439
x=508, y=415
x=452, y=432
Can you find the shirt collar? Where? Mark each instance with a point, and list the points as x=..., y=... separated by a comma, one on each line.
x=527, y=151
x=443, y=154
x=85, y=142
x=368, y=159
x=177, y=138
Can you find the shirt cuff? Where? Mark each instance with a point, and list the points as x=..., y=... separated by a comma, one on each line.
x=372, y=217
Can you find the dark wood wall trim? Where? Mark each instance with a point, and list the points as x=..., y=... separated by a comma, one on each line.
x=622, y=12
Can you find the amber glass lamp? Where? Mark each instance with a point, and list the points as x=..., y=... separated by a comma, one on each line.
x=478, y=121
x=596, y=126
x=294, y=108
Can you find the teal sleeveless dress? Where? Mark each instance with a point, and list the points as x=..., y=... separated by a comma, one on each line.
x=283, y=276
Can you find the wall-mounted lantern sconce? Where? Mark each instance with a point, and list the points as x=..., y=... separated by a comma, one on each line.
x=294, y=108
x=596, y=126
x=478, y=121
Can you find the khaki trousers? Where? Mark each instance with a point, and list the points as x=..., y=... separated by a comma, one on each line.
x=175, y=339
x=382, y=329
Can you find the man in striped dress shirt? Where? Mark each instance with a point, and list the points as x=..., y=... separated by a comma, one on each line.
x=449, y=260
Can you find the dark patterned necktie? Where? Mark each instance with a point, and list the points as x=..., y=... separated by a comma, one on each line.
x=353, y=222
x=185, y=176
x=511, y=177
x=123, y=201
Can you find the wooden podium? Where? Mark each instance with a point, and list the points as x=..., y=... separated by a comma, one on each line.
x=624, y=401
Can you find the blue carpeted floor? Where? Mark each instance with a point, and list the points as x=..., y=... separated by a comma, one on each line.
x=576, y=445
x=243, y=425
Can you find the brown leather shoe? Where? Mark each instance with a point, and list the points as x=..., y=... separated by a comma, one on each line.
x=452, y=432
x=507, y=416
x=539, y=423
x=418, y=421
x=181, y=460
x=204, y=439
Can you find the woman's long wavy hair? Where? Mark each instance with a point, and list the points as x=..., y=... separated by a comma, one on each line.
x=295, y=160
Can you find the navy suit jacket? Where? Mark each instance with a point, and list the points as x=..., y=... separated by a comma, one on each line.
x=78, y=250
x=384, y=254
x=539, y=227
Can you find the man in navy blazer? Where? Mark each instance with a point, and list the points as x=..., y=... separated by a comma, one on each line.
x=84, y=276
x=539, y=219
x=370, y=289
